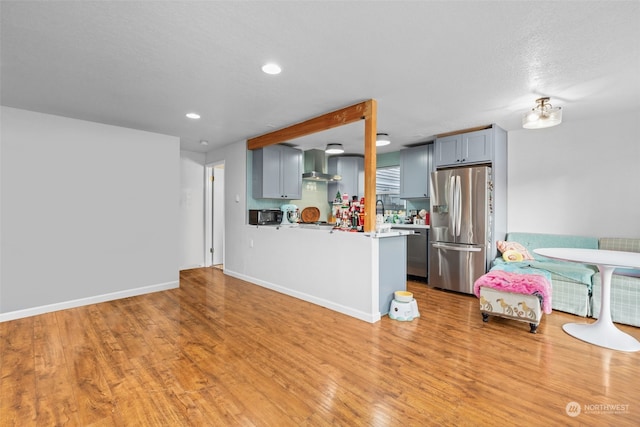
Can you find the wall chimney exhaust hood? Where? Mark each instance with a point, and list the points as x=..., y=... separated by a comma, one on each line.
x=315, y=167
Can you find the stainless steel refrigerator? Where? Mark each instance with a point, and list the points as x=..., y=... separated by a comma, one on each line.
x=461, y=227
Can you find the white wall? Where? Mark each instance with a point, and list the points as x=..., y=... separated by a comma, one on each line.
x=234, y=158
x=192, y=180
x=89, y=212
x=580, y=177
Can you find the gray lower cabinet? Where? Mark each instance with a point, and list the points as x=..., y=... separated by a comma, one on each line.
x=465, y=148
x=418, y=253
x=277, y=172
x=351, y=169
x=415, y=169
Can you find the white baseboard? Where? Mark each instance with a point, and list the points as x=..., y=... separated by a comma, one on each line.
x=33, y=311
x=361, y=315
x=191, y=267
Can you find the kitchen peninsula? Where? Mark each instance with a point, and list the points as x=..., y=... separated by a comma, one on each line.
x=348, y=272
x=352, y=273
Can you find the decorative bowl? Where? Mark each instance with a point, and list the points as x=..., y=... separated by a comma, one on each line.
x=403, y=296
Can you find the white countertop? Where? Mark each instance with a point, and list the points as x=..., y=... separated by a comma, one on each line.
x=409, y=226
x=392, y=233
x=593, y=256
x=329, y=229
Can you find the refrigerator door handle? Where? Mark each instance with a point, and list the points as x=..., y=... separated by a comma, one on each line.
x=452, y=203
x=456, y=247
x=458, y=206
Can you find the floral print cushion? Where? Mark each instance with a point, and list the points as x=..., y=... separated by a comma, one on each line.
x=504, y=246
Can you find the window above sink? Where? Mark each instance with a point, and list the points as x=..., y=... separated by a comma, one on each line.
x=388, y=188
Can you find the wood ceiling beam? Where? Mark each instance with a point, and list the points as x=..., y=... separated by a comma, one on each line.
x=327, y=121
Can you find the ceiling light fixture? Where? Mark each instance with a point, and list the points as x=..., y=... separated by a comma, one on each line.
x=543, y=115
x=382, y=139
x=271, y=68
x=193, y=115
x=334, y=149
x=203, y=142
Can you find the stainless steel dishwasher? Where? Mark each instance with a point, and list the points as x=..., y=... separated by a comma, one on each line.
x=418, y=252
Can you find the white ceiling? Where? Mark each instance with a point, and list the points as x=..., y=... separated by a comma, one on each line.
x=433, y=66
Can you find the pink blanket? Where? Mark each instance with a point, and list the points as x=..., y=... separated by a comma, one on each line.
x=516, y=283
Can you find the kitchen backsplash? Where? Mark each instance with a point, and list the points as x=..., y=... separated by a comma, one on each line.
x=417, y=204
x=314, y=194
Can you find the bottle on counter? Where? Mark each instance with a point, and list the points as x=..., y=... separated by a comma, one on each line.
x=345, y=223
x=361, y=216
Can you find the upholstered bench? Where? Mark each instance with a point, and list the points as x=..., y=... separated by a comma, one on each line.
x=522, y=297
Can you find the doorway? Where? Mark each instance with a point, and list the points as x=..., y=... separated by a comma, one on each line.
x=214, y=216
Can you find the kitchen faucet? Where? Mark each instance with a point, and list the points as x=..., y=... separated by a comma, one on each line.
x=382, y=203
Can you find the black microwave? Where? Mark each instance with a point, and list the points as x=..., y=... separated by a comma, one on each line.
x=265, y=216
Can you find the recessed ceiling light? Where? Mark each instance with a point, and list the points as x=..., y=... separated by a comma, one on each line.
x=271, y=68
x=382, y=139
x=193, y=115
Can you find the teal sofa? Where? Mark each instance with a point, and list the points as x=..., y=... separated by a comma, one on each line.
x=571, y=282
x=577, y=287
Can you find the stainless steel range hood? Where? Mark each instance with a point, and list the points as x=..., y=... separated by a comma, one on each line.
x=315, y=167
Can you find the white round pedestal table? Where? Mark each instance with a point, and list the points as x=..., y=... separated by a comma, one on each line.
x=602, y=332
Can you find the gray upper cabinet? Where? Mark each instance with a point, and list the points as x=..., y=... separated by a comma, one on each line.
x=416, y=164
x=351, y=169
x=465, y=148
x=277, y=172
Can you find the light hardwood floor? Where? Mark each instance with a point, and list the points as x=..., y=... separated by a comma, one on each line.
x=222, y=352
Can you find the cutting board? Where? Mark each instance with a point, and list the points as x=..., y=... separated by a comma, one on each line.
x=310, y=214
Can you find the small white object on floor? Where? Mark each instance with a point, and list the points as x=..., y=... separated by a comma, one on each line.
x=404, y=311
